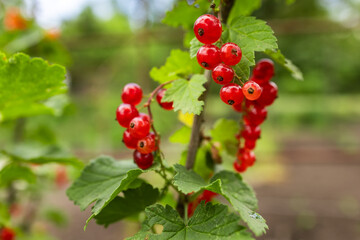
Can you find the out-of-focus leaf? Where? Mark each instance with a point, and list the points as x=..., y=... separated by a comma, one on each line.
x=286, y=63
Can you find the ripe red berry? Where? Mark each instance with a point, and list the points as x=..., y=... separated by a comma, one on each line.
x=251, y=132
x=143, y=161
x=207, y=196
x=263, y=71
x=144, y=116
x=129, y=141
x=269, y=94
x=250, y=144
x=255, y=116
x=251, y=90
x=7, y=234
x=207, y=29
x=164, y=105
x=125, y=113
x=231, y=94
x=248, y=158
x=157, y=141
x=230, y=54
x=132, y=94
x=146, y=144
x=222, y=74
x=239, y=167
x=238, y=107
x=139, y=128
x=208, y=56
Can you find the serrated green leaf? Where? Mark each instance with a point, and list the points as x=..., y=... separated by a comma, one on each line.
x=286, y=63
x=40, y=154
x=178, y=65
x=252, y=35
x=13, y=172
x=185, y=15
x=133, y=202
x=25, y=83
x=181, y=136
x=209, y=222
x=101, y=181
x=185, y=94
x=194, y=47
x=244, y=8
x=231, y=186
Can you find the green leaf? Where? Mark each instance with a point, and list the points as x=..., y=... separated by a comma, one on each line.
x=40, y=154
x=286, y=63
x=209, y=222
x=181, y=136
x=194, y=47
x=56, y=216
x=252, y=35
x=26, y=83
x=178, y=65
x=4, y=215
x=185, y=94
x=101, y=181
x=231, y=186
x=133, y=202
x=224, y=131
x=185, y=15
x=13, y=172
x=243, y=7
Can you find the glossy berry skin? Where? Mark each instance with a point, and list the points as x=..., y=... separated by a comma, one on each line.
x=7, y=234
x=144, y=116
x=125, y=113
x=207, y=29
x=157, y=141
x=164, y=105
x=263, y=71
x=143, y=161
x=146, y=144
x=139, y=128
x=248, y=158
x=237, y=107
x=239, y=167
x=255, y=116
x=231, y=94
x=230, y=54
x=269, y=94
x=208, y=56
x=129, y=141
x=132, y=94
x=251, y=132
x=251, y=90
x=250, y=144
x=222, y=74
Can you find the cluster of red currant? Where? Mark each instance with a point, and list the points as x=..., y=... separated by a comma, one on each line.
x=138, y=125
x=258, y=91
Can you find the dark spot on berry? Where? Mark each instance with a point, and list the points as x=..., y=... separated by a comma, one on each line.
x=201, y=32
x=213, y=5
x=220, y=78
x=251, y=90
x=141, y=144
x=234, y=52
x=132, y=125
x=231, y=102
x=204, y=64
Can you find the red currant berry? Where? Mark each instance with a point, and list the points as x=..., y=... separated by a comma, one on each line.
x=248, y=158
x=139, y=128
x=239, y=167
x=250, y=144
x=263, y=71
x=132, y=94
x=129, y=141
x=270, y=92
x=251, y=90
x=164, y=105
x=143, y=161
x=251, y=132
x=144, y=116
x=255, y=116
x=157, y=141
x=230, y=54
x=207, y=29
x=146, y=145
x=125, y=113
x=208, y=56
x=206, y=196
x=222, y=74
x=231, y=94
x=7, y=234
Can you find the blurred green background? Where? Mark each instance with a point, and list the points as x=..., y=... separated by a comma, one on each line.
x=312, y=132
